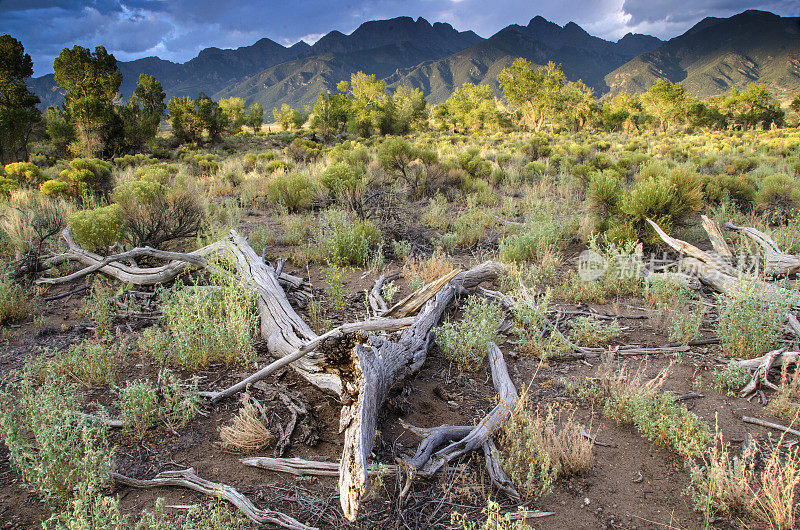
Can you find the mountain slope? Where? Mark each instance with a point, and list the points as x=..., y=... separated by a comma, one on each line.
x=719, y=54
x=582, y=56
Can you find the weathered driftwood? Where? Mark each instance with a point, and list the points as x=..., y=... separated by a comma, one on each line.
x=762, y=371
x=375, y=297
x=187, y=478
x=687, y=249
x=376, y=365
x=717, y=240
x=411, y=304
x=300, y=467
x=338, y=332
x=461, y=440
x=776, y=262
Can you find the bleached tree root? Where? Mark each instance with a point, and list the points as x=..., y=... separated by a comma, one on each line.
x=187, y=478
x=461, y=440
x=376, y=365
x=761, y=372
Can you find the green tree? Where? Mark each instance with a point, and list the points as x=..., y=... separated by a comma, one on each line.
x=471, y=107
x=410, y=109
x=59, y=129
x=795, y=104
x=255, y=116
x=544, y=95
x=623, y=110
x=90, y=81
x=288, y=118
x=234, y=111
x=667, y=102
x=149, y=97
x=18, y=112
x=195, y=120
x=330, y=113
x=753, y=106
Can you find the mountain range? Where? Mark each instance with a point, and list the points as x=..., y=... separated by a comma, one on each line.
x=713, y=56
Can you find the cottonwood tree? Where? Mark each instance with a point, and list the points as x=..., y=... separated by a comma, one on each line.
x=667, y=102
x=471, y=107
x=195, y=120
x=90, y=81
x=234, y=111
x=255, y=116
x=141, y=116
x=752, y=107
x=18, y=112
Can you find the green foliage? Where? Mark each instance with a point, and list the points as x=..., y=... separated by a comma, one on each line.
x=538, y=449
x=18, y=112
x=207, y=325
x=779, y=196
x=685, y=325
x=138, y=406
x=592, y=331
x=751, y=320
x=89, y=363
x=470, y=107
x=288, y=118
x=143, y=405
x=494, y=519
x=346, y=182
x=538, y=237
x=335, y=279
x=344, y=240
x=25, y=173
x=55, y=188
x=97, y=229
x=55, y=450
x=464, y=342
x=15, y=304
x=303, y=150
x=731, y=378
x=196, y=120
x=292, y=190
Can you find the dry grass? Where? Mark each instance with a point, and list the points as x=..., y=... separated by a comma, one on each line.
x=429, y=269
x=247, y=432
x=758, y=484
x=785, y=403
x=541, y=447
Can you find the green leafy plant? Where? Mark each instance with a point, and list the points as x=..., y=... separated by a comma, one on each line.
x=464, y=342
x=751, y=320
x=592, y=331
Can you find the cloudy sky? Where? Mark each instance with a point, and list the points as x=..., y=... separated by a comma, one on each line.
x=177, y=30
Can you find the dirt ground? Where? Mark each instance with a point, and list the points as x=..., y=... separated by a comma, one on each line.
x=633, y=484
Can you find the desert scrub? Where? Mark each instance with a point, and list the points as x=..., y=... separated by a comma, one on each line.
x=540, y=447
x=335, y=280
x=248, y=431
x=143, y=404
x=465, y=342
x=292, y=190
x=495, y=520
x=89, y=363
x=54, y=449
x=731, y=378
x=665, y=290
x=726, y=484
x=620, y=274
x=207, y=324
x=537, y=238
x=784, y=404
x=15, y=304
x=686, y=322
x=592, y=331
x=628, y=399
x=99, y=306
x=345, y=240
x=531, y=324
x=97, y=229
x=751, y=320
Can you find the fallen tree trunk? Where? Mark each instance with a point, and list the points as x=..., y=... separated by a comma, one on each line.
x=187, y=478
x=776, y=262
x=376, y=365
x=305, y=468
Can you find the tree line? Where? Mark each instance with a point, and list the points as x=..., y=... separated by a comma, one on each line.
x=93, y=123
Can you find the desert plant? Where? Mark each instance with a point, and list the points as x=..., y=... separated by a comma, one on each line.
x=138, y=407
x=97, y=229
x=293, y=190
x=247, y=432
x=592, y=331
x=15, y=304
x=494, y=519
x=344, y=240
x=540, y=447
x=751, y=320
x=464, y=342
x=89, y=363
x=731, y=378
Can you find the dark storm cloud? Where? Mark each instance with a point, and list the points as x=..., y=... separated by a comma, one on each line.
x=177, y=30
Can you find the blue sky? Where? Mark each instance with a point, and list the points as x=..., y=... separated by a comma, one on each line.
x=177, y=30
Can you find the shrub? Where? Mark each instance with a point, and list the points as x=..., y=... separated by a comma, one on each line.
x=538, y=449
x=153, y=215
x=531, y=323
x=143, y=405
x=89, y=363
x=604, y=192
x=751, y=320
x=396, y=156
x=7, y=185
x=292, y=190
x=138, y=407
x=207, y=324
x=344, y=240
x=465, y=342
x=495, y=520
x=538, y=237
x=32, y=220
x=686, y=322
x=779, y=196
x=345, y=182
x=302, y=150
x=15, y=304
x=731, y=378
x=54, y=449
x=88, y=175
x=591, y=331
x=25, y=173
x=97, y=229
x=55, y=188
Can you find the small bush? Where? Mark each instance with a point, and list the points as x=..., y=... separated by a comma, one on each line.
x=207, y=324
x=591, y=331
x=54, y=449
x=88, y=175
x=25, y=173
x=89, y=363
x=779, y=196
x=465, y=342
x=15, y=304
x=538, y=449
x=731, y=378
x=292, y=190
x=142, y=405
x=751, y=321
x=538, y=238
x=138, y=406
x=344, y=240
x=97, y=229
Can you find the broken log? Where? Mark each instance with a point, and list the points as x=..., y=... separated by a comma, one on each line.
x=300, y=467
x=376, y=365
x=187, y=478
x=776, y=262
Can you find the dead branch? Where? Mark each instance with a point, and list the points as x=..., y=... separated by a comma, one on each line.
x=770, y=425
x=187, y=478
x=411, y=303
x=776, y=262
x=786, y=357
x=376, y=301
x=760, y=376
x=303, y=468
